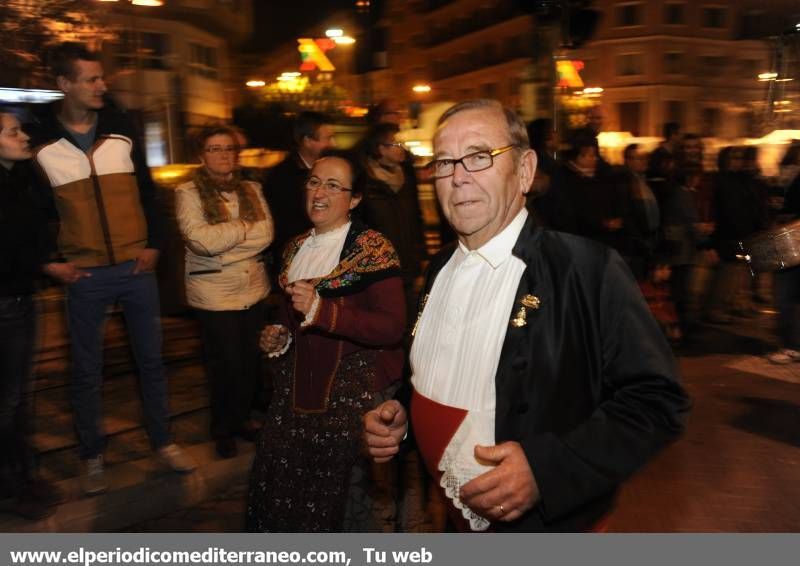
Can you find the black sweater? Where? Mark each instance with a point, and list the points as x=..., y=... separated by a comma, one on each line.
x=25, y=242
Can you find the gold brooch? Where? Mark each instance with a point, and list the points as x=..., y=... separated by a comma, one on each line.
x=527, y=302
x=530, y=301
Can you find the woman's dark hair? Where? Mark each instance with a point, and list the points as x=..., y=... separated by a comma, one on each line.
x=7, y=109
x=579, y=140
x=375, y=136
x=202, y=136
x=356, y=171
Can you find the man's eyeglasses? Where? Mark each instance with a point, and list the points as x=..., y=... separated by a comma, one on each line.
x=222, y=148
x=472, y=162
x=394, y=144
x=330, y=187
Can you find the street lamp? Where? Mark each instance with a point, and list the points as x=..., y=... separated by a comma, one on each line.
x=256, y=83
x=421, y=88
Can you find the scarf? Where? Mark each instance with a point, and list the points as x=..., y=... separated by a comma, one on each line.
x=367, y=257
x=212, y=197
x=394, y=178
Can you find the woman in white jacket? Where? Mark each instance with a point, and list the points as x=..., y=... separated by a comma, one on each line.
x=226, y=224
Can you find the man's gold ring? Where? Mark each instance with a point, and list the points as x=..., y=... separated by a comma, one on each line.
x=502, y=511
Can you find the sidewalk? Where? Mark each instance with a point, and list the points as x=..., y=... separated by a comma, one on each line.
x=139, y=488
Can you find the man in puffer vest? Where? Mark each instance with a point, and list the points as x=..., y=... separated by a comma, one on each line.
x=109, y=237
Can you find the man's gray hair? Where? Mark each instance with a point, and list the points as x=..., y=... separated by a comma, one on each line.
x=516, y=127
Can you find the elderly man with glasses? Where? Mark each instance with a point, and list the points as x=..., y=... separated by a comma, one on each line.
x=540, y=381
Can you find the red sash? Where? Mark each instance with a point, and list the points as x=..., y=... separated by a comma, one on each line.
x=434, y=425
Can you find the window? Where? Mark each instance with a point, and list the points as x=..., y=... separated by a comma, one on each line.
x=673, y=63
x=674, y=14
x=203, y=61
x=749, y=68
x=710, y=120
x=144, y=50
x=629, y=117
x=713, y=65
x=748, y=127
x=713, y=17
x=629, y=15
x=630, y=64
x=675, y=111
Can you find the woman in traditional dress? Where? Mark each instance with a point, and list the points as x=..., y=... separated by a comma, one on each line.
x=226, y=224
x=335, y=348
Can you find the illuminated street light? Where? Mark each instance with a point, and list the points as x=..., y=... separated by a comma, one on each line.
x=256, y=83
x=141, y=2
x=335, y=32
x=291, y=74
x=421, y=88
x=344, y=40
x=593, y=90
x=767, y=76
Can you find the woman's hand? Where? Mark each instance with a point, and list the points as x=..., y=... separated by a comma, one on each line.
x=302, y=294
x=273, y=338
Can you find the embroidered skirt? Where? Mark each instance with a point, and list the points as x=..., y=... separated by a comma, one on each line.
x=303, y=461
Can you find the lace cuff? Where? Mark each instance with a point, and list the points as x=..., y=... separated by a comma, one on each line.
x=285, y=348
x=311, y=317
x=459, y=466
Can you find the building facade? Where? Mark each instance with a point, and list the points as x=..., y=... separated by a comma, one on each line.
x=173, y=65
x=656, y=61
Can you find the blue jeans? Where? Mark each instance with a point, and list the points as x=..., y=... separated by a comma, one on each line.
x=87, y=302
x=17, y=332
x=787, y=301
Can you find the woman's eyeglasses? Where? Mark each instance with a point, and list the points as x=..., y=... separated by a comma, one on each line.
x=221, y=149
x=330, y=187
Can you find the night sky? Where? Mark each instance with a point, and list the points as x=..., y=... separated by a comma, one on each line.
x=278, y=21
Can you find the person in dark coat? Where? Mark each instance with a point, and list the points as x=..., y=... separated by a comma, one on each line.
x=24, y=249
x=391, y=200
x=738, y=214
x=284, y=185
x=787, y=282
x=530, y=399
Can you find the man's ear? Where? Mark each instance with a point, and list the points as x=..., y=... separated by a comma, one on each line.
x=63, y=83
x=527, y=170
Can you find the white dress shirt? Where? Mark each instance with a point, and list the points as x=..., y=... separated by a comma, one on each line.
x=457, y=347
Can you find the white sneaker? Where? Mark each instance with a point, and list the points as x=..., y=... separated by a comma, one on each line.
x=176, y=459
x=784, y=356
x=94, y=476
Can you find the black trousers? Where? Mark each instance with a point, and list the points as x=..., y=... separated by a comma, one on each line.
x=232, y=361
x=17, y=333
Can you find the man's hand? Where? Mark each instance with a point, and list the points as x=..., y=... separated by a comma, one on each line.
x=506, y=492
x=146, y=261
x=273, y=338
x=384, y=429
x=66, y=273
x=302, y=294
